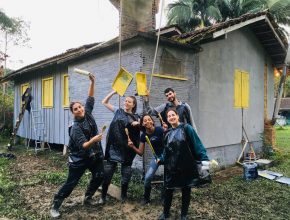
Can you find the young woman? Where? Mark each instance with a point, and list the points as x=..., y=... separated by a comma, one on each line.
x=85, y=152
x=155, y=135
x=117, y=149
x=182, y=150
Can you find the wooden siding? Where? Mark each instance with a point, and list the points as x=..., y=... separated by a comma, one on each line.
x=56, y=119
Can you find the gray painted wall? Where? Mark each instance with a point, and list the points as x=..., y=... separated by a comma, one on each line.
x=220, y=124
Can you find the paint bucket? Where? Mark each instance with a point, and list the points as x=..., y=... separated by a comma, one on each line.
x=250, y=171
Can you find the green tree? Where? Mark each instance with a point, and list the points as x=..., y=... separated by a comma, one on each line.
x=13, y=32
x=189, y=14
x=235, y=8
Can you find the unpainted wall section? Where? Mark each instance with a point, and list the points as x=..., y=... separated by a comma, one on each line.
x=220, y=122
x=56, y=119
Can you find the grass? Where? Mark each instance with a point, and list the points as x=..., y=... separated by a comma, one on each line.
x=283, y=137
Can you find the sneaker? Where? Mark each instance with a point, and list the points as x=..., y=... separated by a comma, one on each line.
x=102, y=201
x=54, y=213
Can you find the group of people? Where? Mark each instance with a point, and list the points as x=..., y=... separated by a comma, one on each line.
x=175, y=144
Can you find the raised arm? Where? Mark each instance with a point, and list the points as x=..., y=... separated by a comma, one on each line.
x=150, y=109
x=106, y=103
x=92, y=85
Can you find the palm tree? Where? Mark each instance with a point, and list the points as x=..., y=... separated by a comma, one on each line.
x=280, y=9
x=189, y=14
x=235, y=8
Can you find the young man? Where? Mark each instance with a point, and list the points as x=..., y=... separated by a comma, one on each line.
x=183, y=109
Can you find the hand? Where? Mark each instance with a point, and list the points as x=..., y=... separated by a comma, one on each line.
x=165, y=126
x=135, y=123
x=147, y=92
x=146, y=97
x=113, y=92
x=158, y=161
x=92, y=77
x=97, y=138
x=130, y=143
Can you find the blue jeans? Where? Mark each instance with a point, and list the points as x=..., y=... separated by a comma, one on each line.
x=150, y=173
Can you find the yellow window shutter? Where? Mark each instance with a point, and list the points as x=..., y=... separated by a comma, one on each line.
x=245, y=90
x=65, y=90
x=47, y=93
x=238, y=89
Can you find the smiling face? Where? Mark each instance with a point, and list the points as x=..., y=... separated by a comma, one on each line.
x=147, y=122
x=173, y=118
x=129, y=104
x=170, y=96
x=78, y=110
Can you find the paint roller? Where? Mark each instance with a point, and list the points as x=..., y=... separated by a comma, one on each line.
x=82, y=72
x=103, y=129
x=151, y=147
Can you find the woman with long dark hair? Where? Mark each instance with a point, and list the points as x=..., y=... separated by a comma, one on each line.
x=124, y=126
x=155, y=136
x=182, y=150
x=85, y=152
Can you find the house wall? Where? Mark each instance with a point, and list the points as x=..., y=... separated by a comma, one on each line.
x=220, y=124
x=55, y=119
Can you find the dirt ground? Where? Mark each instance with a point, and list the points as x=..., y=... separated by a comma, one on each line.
x=38, y=196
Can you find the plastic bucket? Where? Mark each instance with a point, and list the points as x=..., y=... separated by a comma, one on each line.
x=250, y=171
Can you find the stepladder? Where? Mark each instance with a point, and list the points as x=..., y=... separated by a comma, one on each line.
x=39, y=129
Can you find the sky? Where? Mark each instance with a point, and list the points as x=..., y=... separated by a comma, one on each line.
x=58, y=25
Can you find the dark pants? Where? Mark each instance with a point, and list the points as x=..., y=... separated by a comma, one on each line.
x=126, y=173
x=168, y=194
x=95, y=166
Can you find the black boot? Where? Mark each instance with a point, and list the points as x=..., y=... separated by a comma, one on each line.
x=185, y=202
x=54, y=211
x=124, y=189
x=103, y=198
x=163, y=216
x=146, y=199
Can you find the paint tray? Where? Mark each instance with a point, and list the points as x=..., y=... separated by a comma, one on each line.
x=141, y=83
x=122, y=81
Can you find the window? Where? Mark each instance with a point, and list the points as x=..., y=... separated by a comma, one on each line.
x=47, y=92
x=23, y=88
x=242, y=89
x=65, y=90
x=170, y=66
